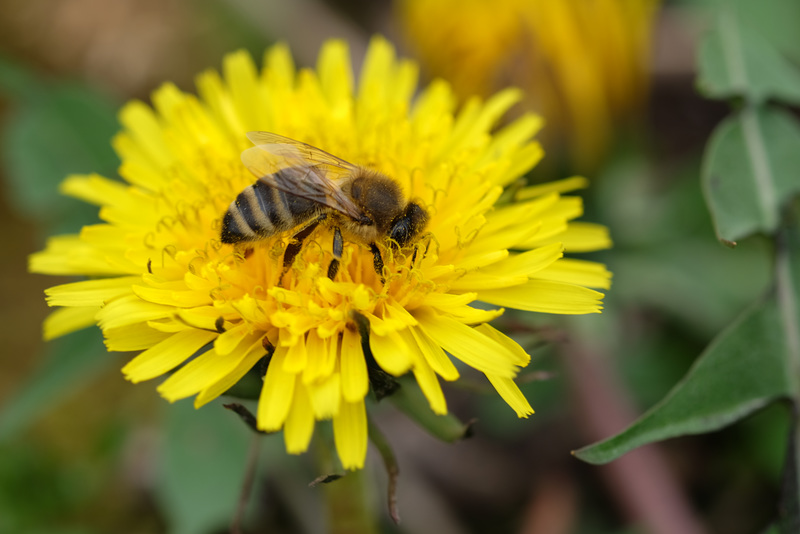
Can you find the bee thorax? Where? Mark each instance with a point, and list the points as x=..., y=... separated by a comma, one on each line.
x=379, y=198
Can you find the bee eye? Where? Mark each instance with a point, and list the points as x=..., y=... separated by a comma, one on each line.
x=401, y=232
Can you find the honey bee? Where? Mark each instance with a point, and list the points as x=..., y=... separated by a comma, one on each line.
x=300, y=186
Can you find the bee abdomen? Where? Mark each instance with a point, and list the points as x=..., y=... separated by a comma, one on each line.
x=261, y=211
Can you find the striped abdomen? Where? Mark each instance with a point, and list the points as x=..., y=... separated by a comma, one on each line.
x=261, y=211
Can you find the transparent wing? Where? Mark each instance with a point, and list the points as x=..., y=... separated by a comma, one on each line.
x=300, y=169
x=284, y=148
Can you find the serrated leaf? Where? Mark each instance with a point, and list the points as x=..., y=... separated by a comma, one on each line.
x=71, y=362
x=742, y=371
x=751, y=170
x=736, y=60
x=203, y=463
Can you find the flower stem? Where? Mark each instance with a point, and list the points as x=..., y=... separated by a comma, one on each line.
x=350, y=509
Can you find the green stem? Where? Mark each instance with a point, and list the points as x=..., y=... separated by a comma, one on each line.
x=392, y=469
x=787, y=286
x=350, y=508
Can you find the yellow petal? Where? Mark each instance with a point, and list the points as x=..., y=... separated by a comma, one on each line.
x=130, y=310
x=510, y=393
x=276, y=394
x=560, y=186
x=299, y=426
x=296, y=357
x=203, y=317
x=202, y=372
x=522, y=358
x=143, y=127
x=67, y=320
x=335, y=73
x=577, y=272
x=326, y=396
x=429, y=385
x=350, y=434
x=317, y=350
x=424, y=374
x=547, y=297
x=240, y=73
x=580, y=237
x=355, y=384
x=95, y=189
x=252, y=355
x=467, y=344
x=69, y=255
x=181, y=299
x=167, y=355
x=390, y=352
x=434, y=355
x=134, y=337
x=90, y=292
x=231, y=338
x=527, y=263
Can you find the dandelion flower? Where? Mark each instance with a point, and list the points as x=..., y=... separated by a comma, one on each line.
x=582, y=63
x=159, y=280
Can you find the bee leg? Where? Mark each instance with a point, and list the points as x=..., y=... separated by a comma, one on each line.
x=338, y=249
x=377, y=261
x=296, y=244
x=414, y=255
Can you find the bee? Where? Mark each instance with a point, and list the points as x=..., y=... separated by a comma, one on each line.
x=299, y=186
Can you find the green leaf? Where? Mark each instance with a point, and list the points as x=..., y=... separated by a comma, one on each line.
x=751, y=170
x=72, y=361
x=202, y=467
x=742, y=371
x=776, y=20
x=57, y=129
x=16, y=82
x=736, y=60
x=409, y=399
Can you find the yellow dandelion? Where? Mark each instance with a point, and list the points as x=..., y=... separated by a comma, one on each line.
x=162, y=281
x=582, y=63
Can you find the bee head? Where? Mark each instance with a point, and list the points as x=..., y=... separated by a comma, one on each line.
x=408, y=225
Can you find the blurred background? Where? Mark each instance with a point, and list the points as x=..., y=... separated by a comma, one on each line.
x=83, y=451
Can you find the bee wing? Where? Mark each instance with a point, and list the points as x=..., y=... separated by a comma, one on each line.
x=316, y=174
x=289, y=148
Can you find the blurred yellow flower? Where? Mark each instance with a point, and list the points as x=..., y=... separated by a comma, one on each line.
x=161, y=282
x=582, y=63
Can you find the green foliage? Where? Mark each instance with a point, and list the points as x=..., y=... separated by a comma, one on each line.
x=70, y=362
x=53, y=129
x=410, y=400
x=202, y=468
x=736, y=60
x=740, y=372
x=33, y=492
x=751, y=170
x=665, y=258
x=57, y=129
x=750, y=180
